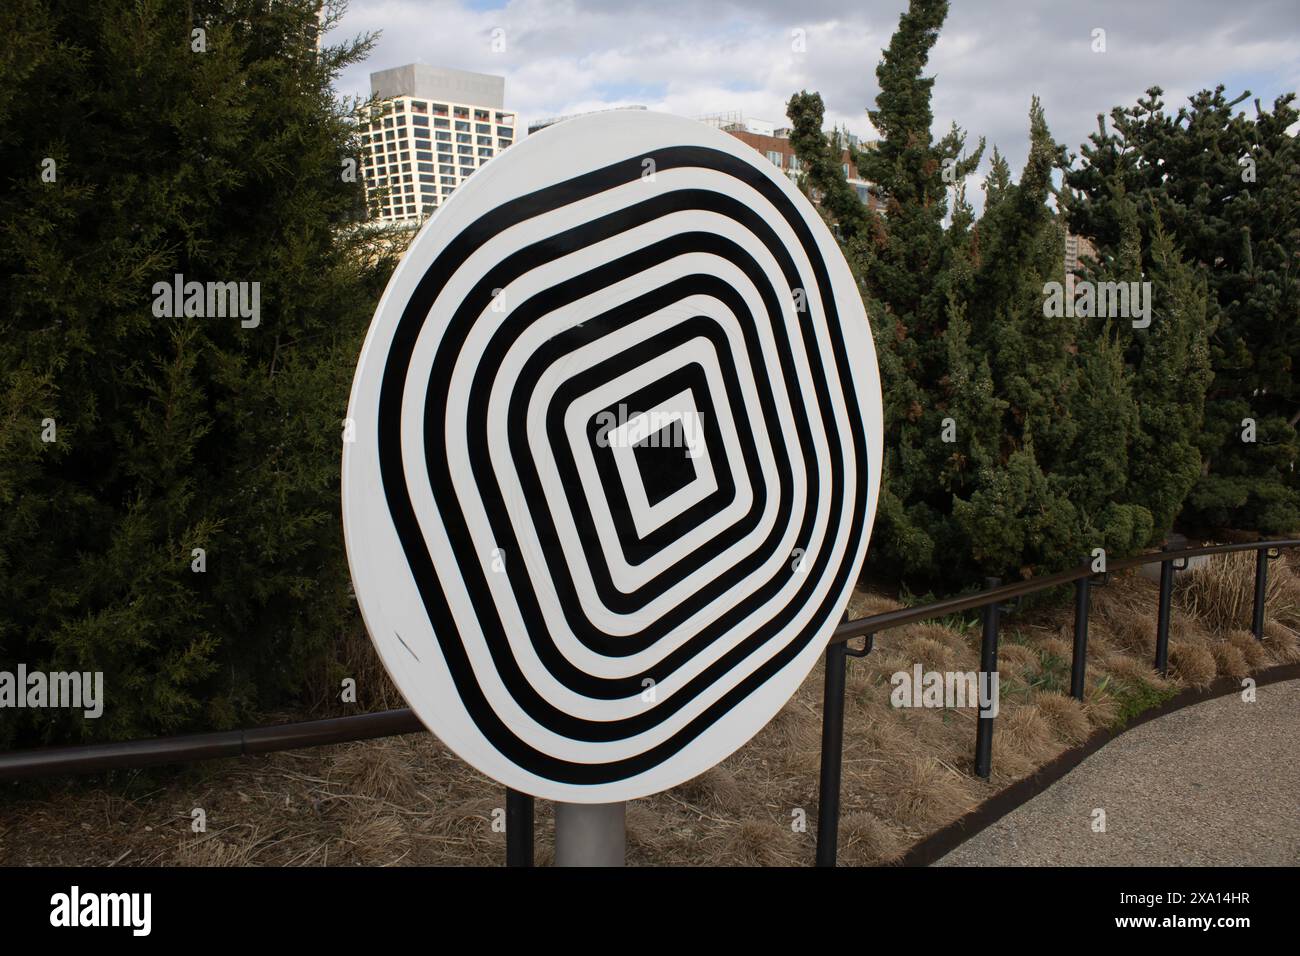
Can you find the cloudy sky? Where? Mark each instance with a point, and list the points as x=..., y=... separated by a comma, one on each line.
x=693, y=57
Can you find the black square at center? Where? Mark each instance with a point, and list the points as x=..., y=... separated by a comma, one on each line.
x=664, y=461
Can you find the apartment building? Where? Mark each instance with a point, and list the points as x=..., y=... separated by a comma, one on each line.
x=774, y=143
x=1076, y=248
x=431, y=129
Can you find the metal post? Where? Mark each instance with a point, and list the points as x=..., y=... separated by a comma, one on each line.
x=519, y=829
x=1162, y=616
x=1082, y=588
x=1261, y=586
x=590, y=834
x=828, y=795
x=988, y=666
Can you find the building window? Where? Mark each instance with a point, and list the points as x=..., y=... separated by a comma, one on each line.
x=774, y=158
x=441, y=123
x=462, y=127
x=420, y=120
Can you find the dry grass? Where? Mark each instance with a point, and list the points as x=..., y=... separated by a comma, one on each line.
x=907, y=771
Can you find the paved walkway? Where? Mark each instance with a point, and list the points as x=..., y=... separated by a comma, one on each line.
x=1213, y=784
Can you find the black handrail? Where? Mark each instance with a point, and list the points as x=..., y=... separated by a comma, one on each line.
x=92, y=758
x=991, y=601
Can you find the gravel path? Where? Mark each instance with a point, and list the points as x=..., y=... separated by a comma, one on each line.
x=1216, y=784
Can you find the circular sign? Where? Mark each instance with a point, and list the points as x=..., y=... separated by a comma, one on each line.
x=617, y=442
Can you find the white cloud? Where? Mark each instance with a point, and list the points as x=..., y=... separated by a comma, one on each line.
x=690, y=58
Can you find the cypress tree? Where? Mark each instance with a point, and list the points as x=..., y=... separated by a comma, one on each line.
x=1224, y=189
x=180, y=532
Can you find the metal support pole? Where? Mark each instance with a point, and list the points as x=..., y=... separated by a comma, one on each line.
x=828, y=795
x=590, y=834
x=1261, y=586
x=519, y=829
x=1082, y=588
x=1162, y=616
x=988, y=666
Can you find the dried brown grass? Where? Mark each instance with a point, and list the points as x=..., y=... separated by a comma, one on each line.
x=907, y=771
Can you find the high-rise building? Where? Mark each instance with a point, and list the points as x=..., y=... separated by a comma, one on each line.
x=1076, y=248
x=430, y=130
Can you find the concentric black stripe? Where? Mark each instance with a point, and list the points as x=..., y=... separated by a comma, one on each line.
x=562, y=294
x=423, y=570
x=636, y=549
x=615, y=600
x=488, y=362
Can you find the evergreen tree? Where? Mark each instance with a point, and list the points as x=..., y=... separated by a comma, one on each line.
x=821, y=167
x=1013, y=440
x=202, y=139
x=1226, y=190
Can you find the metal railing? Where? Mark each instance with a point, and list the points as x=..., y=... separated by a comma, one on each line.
x=991, y=602
x=92, y=758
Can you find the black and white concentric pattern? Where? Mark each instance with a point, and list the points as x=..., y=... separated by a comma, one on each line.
x=617, y=442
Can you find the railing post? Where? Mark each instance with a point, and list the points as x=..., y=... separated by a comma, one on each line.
x=828, y=796
x=519, y=829
x=1162, y=616
x=1261, y=587
x=1081, y=592
x=988, y=667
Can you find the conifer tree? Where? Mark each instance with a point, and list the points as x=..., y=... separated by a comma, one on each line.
x=1224, y=188
x=176, y=524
